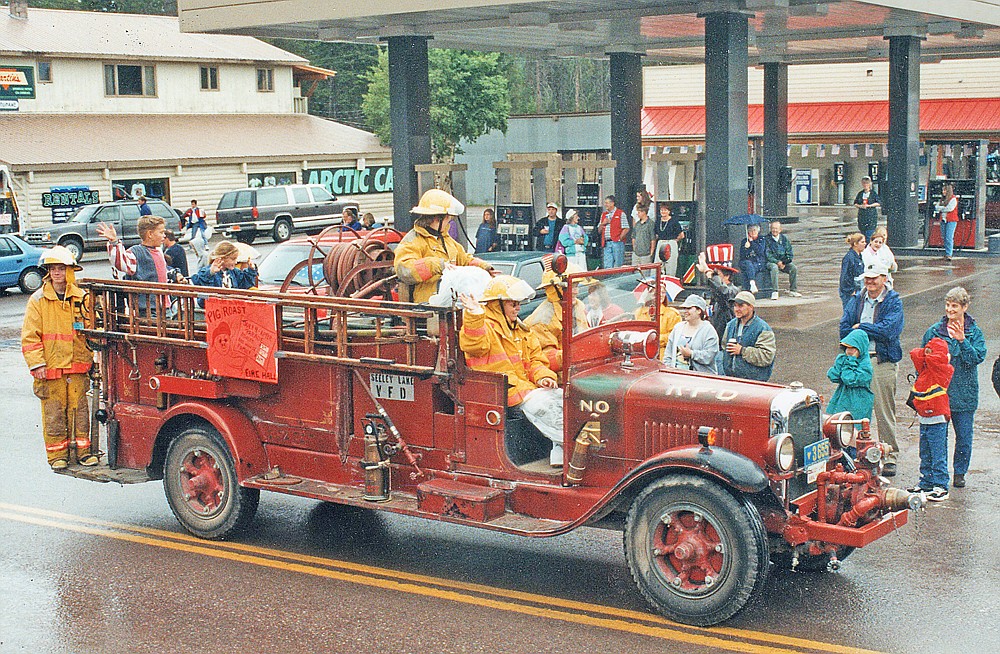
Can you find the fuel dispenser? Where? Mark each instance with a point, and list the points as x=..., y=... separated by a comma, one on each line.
x=519, y=197
x=963, y=164
x=583, y=189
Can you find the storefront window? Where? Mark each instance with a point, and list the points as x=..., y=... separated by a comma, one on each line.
x=129, y=80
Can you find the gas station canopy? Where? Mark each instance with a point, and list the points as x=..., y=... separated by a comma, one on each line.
x=668, y=31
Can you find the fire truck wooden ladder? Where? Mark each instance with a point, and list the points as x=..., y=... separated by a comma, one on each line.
x=318, y=329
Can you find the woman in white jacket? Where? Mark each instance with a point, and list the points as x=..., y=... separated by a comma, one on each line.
x=878, y=252
x=693, y=342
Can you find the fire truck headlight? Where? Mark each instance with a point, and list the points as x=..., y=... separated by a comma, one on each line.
x=839, y=429
x=782, y=451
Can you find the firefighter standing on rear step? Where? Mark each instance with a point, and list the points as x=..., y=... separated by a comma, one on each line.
x=59, y=359
x=494, y=339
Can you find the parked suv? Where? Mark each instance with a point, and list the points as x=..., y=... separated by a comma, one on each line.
x=278, y=211
x=79, y=233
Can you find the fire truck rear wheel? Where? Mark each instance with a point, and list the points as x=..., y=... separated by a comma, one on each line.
x=200, y=482
x=697, y=554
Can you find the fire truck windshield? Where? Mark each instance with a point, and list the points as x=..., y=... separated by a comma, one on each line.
x=615, y=296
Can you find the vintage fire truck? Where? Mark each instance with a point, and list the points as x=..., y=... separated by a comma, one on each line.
x=370, y=403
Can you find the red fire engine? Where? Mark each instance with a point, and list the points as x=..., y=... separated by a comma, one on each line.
x=370, y=403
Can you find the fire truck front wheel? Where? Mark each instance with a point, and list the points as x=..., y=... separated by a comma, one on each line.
x=199, y=480
x=697, y=554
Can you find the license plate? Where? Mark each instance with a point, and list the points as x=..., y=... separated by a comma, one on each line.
x=814, y=458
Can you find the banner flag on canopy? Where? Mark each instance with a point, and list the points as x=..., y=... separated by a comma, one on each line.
x=854, y=150
x=835, y=149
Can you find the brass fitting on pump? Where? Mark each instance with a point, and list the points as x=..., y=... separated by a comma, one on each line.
x=589, y=437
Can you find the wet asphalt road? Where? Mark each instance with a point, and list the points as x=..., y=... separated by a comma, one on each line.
x=102, y=568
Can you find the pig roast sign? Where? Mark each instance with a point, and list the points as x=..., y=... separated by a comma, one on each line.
x=242, y=339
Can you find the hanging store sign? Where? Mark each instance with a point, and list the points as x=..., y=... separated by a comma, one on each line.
x=351, y=181
x=17, y=82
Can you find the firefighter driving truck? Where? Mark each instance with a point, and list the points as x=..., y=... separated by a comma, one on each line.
x=370, y=403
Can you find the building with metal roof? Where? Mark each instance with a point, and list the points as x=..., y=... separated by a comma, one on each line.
x=110, y=102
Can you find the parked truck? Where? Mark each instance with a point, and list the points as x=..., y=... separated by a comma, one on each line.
x=370, y=404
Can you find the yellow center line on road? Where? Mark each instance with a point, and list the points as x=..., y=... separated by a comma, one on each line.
x=234, y=551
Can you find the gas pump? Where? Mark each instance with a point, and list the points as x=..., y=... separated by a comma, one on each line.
x=584, y=190
x=519, y=196
x=875, y=172
x=839, y=179
x=962, y=164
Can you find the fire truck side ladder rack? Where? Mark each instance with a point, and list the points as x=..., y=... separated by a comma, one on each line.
x=311, y=328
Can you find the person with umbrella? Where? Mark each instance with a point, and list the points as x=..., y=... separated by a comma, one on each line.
x=753, y=257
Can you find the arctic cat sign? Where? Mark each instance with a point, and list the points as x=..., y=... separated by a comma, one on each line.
x=351, y=181
x=17, y=82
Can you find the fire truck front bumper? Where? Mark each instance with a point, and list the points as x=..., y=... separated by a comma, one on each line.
x=800, y=528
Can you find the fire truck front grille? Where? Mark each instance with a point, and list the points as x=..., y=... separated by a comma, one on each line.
x=804, y=426
x=660, y=436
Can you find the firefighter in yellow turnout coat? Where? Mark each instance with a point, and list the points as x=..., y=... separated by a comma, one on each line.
x=427, y=249
x=59, y=360
x=545, y=321
x=495, y=340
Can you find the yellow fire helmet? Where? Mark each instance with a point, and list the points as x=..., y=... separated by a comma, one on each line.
x=58, y=254
x=436, y=202
x=552, y=278
x=507, y=287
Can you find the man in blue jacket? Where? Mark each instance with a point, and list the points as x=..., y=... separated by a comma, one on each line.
x=878, y=311
x=779, y=257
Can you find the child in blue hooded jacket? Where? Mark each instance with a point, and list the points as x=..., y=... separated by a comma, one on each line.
x=852, y=372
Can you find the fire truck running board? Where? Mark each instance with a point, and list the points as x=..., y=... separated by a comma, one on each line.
x=408, y=504
x=104, y=474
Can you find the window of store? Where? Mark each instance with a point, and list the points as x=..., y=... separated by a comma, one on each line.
x=44, y=72
x=256, y=180
x=152, y=188
x=209, y=78
x=265, y=80
x=129, y=80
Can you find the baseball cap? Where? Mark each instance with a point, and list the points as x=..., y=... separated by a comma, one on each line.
x=552, y=205
x=695, y=301
x=875, y=269
x=745, y=297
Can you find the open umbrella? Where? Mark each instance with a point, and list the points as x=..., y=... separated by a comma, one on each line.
x=745, y=219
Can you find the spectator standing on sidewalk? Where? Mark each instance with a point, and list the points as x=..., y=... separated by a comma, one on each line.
x=851, y=267
x=487, y=239
x=947, y=210
x=198, y=226
x=669, y=232
x=867, y=202
x=547, y=229
x=779, y=257
x=967, y=349
x=174, y=253
x=878, y=251
x=613, y=228
x=878, y=310
x=643, y=236
x=749, y=344
x=720, y=281
x=930, y=399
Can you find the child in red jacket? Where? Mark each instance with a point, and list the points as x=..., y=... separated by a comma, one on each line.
x=930, y=399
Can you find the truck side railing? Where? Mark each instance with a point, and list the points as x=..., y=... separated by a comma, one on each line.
x=309, y=328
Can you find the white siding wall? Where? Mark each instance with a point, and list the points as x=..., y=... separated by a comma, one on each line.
x=78, y=87
x=205, y=183
x=971, y=78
